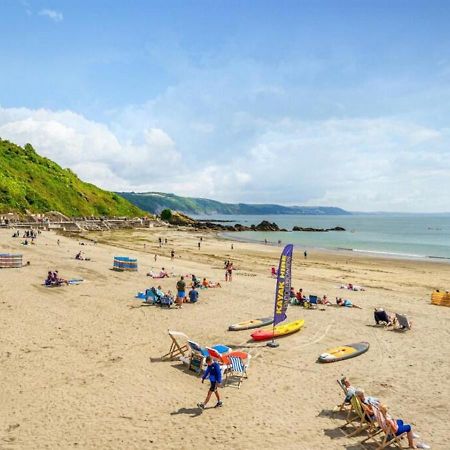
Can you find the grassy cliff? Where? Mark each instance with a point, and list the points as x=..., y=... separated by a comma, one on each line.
x=37, y=184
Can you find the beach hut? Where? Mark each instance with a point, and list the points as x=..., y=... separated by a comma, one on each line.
x=440, y=298
x=8, y=260
x=123, y=263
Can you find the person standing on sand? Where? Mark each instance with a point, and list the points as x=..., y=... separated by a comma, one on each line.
x=172, y=254
x=199, y=245
x=305, y=254
x=229, y=271
x=156, y=257
x=214, y=374
x=181, y=292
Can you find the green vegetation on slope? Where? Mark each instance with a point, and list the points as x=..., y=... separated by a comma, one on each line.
x=155, y=202
x=37, y=184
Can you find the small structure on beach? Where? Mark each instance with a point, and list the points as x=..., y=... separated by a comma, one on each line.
x=125, y=264
x=8, y=260
x=440, y=298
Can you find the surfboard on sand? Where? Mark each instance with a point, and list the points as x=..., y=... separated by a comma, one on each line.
x=344, y=352
x=249, y=324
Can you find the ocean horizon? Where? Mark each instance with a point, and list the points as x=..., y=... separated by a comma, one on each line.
x=401, y=235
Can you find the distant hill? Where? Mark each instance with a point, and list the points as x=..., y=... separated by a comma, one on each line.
x=29, y=182
x=155, y=202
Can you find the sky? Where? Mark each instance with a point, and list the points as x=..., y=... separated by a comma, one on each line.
x=332, y=103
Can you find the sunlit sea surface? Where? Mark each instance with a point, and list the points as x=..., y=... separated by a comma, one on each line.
x=395, y=235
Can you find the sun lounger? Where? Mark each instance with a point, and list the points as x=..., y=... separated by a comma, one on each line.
x=345, y=403
x=178, y=347
x=402, y=322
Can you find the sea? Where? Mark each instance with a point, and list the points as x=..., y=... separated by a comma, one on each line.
x=390, y=235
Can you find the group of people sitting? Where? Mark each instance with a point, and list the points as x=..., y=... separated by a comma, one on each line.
x=158, y=297
x=53, y=279
x=298, y=298
x=204, y=284
x=373, y=408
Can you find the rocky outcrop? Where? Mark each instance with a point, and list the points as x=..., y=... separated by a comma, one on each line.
x=265, y=226
x=317, y=230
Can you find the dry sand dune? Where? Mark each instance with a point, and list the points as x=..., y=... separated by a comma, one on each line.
x=80, y=365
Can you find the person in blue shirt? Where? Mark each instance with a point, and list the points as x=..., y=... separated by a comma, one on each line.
x=214, y=374
x=193, y=295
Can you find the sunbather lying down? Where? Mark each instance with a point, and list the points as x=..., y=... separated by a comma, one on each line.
x=346, y=303
x=210, y=284
x=352, y=287
x=162, y=274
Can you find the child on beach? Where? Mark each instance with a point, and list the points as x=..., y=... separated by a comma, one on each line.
x=214, y=374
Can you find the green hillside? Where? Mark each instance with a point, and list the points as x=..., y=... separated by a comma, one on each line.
x=155, y=202
x=37, y=184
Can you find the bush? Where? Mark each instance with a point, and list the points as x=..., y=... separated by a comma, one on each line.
x=166, y=215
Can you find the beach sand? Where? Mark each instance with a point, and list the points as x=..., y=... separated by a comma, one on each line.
x=81, y=368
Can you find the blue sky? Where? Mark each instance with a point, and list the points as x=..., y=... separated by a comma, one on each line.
x=297, y=102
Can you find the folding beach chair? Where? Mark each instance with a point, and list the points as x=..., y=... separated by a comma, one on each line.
x=312, y=302
x=199, y=354
x=178, y=347
x=345, y=405
x=382, y=317
x=389, y=434
x=237, y=368
x=356, y=418
x=402, y=322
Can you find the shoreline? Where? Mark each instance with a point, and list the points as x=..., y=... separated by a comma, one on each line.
x=343, y=251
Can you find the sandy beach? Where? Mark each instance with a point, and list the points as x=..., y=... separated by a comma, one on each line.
x=81, y=368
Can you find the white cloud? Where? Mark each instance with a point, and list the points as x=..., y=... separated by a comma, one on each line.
x=52, y=14
x=359, y=164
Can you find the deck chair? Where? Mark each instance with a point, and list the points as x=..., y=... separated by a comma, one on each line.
x=389, y=435
x=345, y=405
x=402, y=322
x=356, y=418
x=382, y=318
x=198, y=356
x=311, y=302
x=237, y=368
x=178, y=346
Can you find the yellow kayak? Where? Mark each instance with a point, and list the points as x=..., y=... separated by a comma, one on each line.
x=278, y=331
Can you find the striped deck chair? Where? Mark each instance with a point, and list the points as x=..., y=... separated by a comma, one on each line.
x=237, y=369
x=178, y=346
x=389, y=434
x=356, y=418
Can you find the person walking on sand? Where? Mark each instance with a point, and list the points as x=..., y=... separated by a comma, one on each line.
x=156, y=257
x=305, y=254
x=214, y=374
x=199, y=245
x=172, y=254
